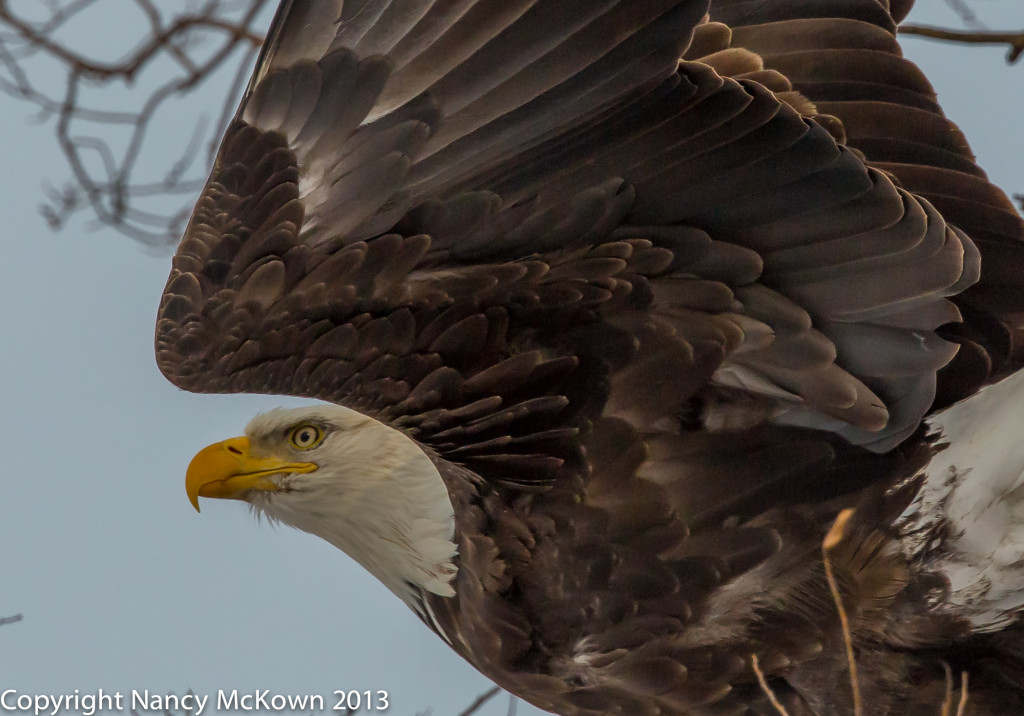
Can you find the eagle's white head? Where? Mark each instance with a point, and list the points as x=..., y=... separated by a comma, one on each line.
x=362, y=486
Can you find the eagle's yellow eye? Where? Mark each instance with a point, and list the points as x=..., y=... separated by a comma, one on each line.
x=306, y=436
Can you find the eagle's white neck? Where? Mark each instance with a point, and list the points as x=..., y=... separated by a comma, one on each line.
x=380, y=499
x=967, y=522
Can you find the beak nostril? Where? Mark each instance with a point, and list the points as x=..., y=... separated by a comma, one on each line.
x=233, y=449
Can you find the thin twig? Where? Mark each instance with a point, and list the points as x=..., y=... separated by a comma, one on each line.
x=967, y=15
x=947, y=702
x=756, y=665
x=962, y=706
x=832, y=539
x=480, y=701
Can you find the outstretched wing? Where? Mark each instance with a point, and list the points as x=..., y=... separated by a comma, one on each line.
x=417, y=196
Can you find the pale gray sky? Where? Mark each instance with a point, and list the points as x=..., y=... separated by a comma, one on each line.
x=122, y=585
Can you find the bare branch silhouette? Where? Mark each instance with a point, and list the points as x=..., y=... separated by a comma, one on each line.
x=1014, y=39
x=966, y=14
x=10, y=620
x=105, y=147
x=480, y=701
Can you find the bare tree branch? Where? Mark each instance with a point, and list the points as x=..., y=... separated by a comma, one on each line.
x=1014, y=39
x=184, y=50
x=10, y=620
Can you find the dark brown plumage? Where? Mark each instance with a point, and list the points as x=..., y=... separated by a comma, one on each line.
x=656, y=323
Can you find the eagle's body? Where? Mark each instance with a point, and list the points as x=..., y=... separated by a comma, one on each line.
x=633, y=332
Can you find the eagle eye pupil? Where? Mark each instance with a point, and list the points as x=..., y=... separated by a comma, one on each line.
x=306, y=436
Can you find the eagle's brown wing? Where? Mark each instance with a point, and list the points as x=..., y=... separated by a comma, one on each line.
x=426, y=192
x=527, y=235
x=847, y=61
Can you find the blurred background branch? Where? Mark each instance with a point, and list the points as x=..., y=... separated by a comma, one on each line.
x=79, y=82
x=1015, y=40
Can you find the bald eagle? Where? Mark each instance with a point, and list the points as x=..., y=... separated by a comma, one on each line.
x=667, y=348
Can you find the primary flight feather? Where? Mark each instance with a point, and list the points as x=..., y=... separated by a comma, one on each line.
x=615, y=307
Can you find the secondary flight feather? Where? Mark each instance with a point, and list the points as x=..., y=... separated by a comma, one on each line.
x=614, y=308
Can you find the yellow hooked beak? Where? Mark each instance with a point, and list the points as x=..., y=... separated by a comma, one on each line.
x=227, y=470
